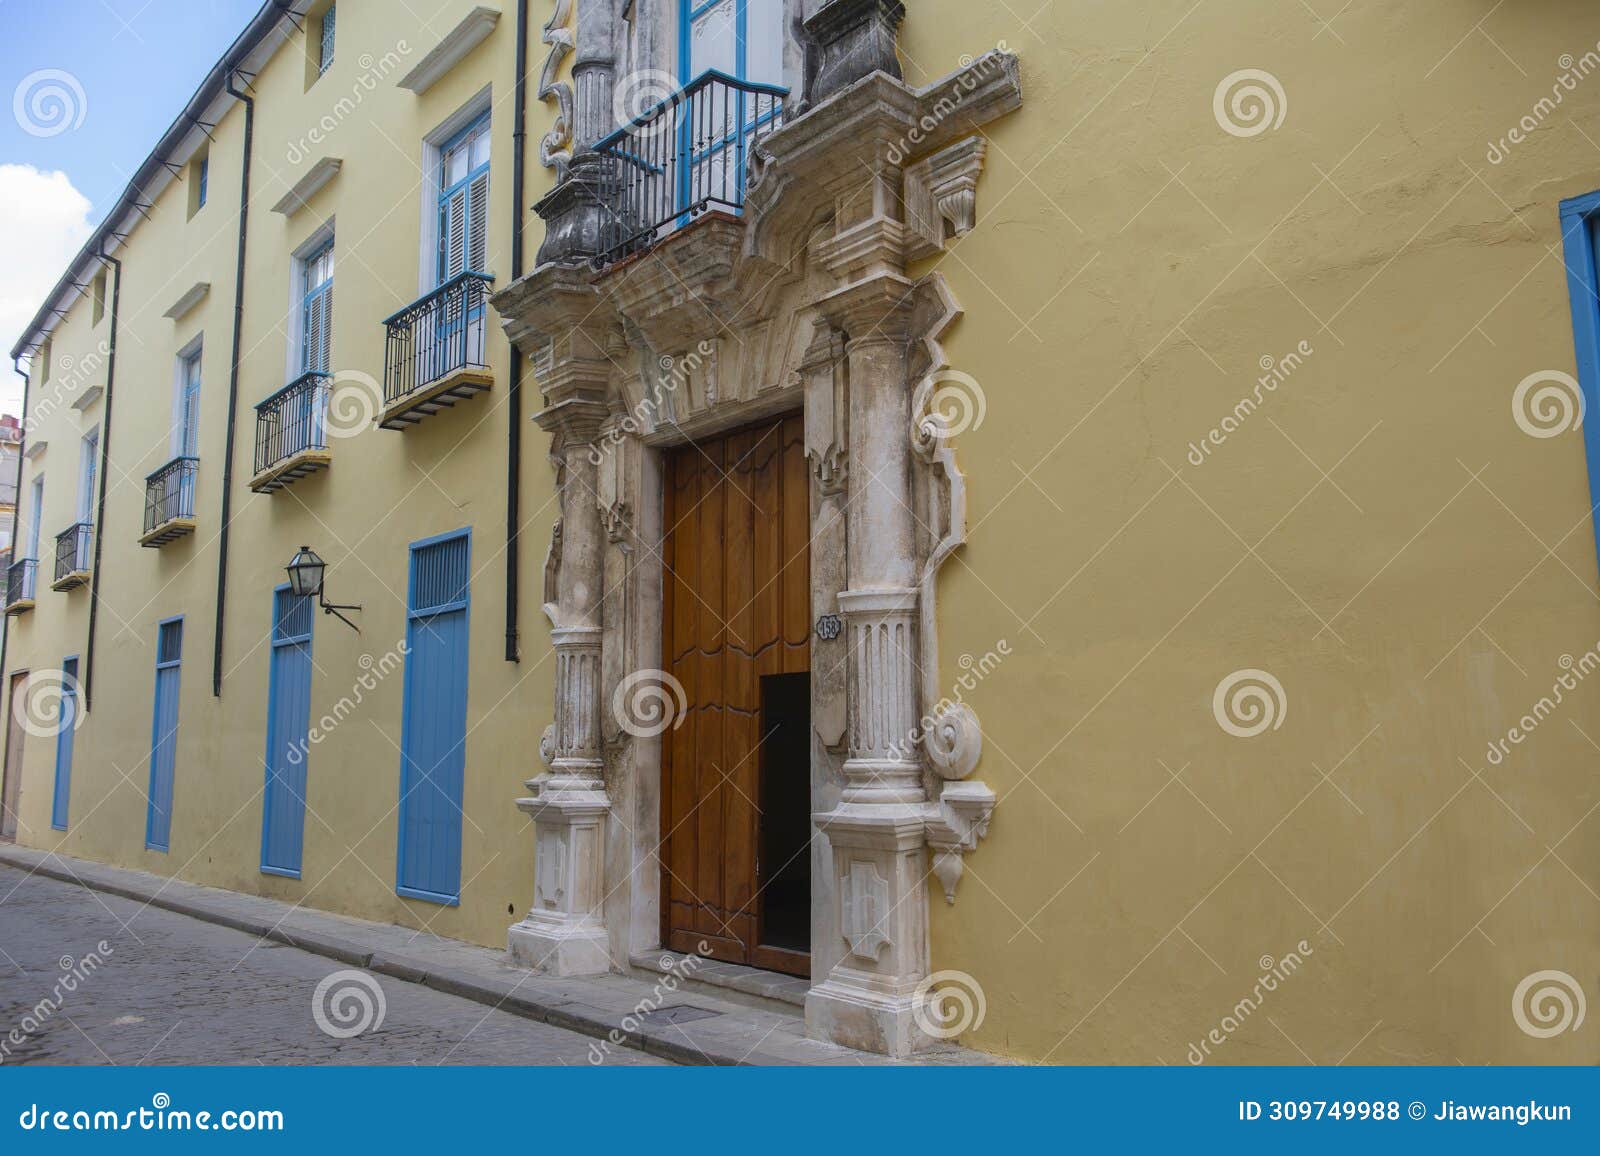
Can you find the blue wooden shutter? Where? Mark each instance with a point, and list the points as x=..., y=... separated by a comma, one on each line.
x=164, y=736
x=283, y=811
x=67, y=721
x=433, y=727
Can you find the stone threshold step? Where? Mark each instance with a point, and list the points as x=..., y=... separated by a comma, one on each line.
x=618, y=1010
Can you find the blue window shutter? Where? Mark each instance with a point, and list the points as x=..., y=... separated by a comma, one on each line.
x=283, y=811
x=433, y=725
x=164, y=736
x=67, y=723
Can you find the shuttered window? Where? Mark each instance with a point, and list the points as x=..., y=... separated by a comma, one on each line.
x=186, y=426
x=316, y=311
x=464, y=202
x=325, y=49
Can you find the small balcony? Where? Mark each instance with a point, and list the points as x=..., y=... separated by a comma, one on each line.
x=292, y=433
x=688, y=155
x=72, y=556
x=169, y=502
x=20, y=576
x=434, y=355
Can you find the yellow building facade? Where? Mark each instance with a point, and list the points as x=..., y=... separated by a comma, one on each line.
x=1068, y=529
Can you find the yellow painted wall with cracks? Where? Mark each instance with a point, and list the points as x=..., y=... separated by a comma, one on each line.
x=1379, y=535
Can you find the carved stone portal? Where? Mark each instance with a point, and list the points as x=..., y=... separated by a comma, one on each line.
x=801, y=302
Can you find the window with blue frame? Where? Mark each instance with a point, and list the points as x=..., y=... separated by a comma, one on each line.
x=464, y=201
x=325, y=40
x=1580, y=231
x=316, y=309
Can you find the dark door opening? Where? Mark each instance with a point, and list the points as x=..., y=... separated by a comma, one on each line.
x=783, y=861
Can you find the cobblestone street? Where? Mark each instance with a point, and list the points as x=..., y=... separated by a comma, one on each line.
x=175, y=990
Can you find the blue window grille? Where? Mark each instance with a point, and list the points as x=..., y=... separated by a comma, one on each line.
x=204, y=178
x=164, y=735
x=325, y=48
x=316, y=310
x=283, y=812
x=67, y=726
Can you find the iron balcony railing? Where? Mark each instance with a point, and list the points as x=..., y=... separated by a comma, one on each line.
x=436, y=335
x=72, y=550
x=688, y=154
x=292, y=420
x=20, y=576
x=169, y=492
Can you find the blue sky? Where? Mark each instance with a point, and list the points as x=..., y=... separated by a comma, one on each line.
x=129, y=67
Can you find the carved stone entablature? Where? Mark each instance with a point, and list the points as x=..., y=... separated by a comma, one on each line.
x=801, y=302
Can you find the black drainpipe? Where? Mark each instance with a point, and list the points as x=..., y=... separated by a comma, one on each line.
x=105, y=464
x=514, y=389
x=233, y=386
x=5, y=626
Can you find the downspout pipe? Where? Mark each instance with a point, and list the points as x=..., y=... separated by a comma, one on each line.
x=105, y=466
x=16, y=521
x=514, y=385
x=233, y=382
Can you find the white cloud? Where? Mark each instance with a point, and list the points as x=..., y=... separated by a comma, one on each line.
x=43, y=223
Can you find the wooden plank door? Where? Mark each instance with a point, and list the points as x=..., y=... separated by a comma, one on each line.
x=737, y=611
x=11, y=792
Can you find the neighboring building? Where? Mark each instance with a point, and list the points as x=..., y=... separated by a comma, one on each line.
x=1196, y=715
x=10, y=474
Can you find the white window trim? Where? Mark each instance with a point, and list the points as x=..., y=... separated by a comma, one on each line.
x=195, y=348
x=319, y=237
x=428, y=251
x=35, y=531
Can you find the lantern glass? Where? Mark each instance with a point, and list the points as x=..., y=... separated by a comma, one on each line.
x=305, y=573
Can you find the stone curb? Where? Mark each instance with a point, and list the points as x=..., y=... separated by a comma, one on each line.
x=705, y=1042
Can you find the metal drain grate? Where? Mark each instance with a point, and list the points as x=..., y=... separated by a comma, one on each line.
x=681, y=1013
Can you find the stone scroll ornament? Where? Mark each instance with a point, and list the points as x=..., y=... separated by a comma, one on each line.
x=945, y=403
x=555, y=149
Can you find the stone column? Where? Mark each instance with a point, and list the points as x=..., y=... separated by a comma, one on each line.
x=871, y=999
x=564, y=933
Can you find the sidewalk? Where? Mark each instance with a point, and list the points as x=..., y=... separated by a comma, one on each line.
x=732, y=1033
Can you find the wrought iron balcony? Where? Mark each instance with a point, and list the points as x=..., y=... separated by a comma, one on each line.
x=20, y=576
x=688, y=154
x=435, y=352
x=292, y=433
x=169, y=502
x=72, y=556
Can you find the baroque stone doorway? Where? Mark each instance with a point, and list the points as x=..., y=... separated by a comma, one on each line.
x=736, y=813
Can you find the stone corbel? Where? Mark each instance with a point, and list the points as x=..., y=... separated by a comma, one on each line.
x=941, y=193
x=555, y=149
x=827, y=410
x=954, y=825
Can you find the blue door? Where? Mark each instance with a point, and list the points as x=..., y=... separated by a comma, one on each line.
x=433, y=729
x=283, y=810
x=164, y=735
x=67, y=721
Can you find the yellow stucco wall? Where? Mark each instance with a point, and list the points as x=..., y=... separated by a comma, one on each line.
x=1379, y=534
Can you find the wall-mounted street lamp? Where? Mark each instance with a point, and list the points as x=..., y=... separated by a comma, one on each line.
x=305, y=581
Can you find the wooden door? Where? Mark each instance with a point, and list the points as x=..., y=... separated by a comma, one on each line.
x=11, y=791
x=736, y=621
